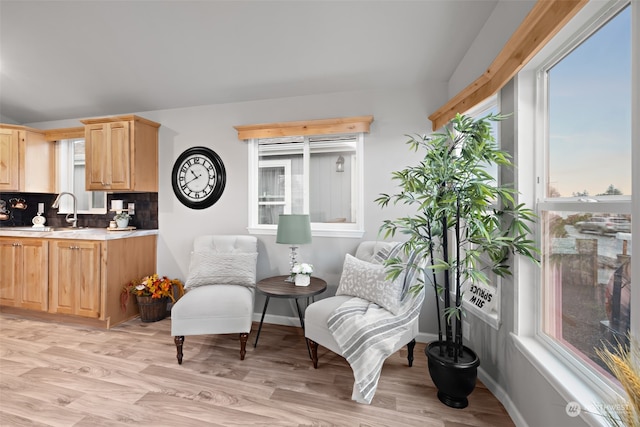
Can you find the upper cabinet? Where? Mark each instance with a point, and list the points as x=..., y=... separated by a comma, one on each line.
x=121, y=154
x=27, y=160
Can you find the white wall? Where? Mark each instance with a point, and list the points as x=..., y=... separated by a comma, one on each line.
x=505, y=18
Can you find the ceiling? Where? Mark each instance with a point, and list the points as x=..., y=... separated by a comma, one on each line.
x=75, y=59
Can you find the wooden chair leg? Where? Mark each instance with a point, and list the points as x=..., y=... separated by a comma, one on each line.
x=314, y=352
x=179, y=340
x=410, y=347
x=243, y=344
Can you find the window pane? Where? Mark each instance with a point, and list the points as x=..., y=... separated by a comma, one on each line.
x=280, y=181
x=587, y=274
x=586, y=247
x=331, y=194
x=331, y=178
x=590, y=115
x=274, y=189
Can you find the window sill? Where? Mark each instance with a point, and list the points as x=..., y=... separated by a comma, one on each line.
x=566, y=382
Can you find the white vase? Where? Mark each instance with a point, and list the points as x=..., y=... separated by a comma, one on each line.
x=122, y=223
x=303, y=280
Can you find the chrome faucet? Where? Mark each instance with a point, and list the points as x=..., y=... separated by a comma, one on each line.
x=74, y=219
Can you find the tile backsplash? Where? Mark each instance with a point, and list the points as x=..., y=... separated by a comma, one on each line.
x=145, y=217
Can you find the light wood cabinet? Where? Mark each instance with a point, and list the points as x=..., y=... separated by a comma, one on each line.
x=27, y=160
x=23, y=273
x=74, y=277
x=121, y=154
x=76, y=280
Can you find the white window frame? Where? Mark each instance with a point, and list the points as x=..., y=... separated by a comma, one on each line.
x=350, y=230
x=564, y=371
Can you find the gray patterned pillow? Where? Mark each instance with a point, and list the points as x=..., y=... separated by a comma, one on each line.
x=221, y=268
x=368, y=281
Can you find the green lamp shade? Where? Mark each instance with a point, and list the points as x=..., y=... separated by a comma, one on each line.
x=294, y=229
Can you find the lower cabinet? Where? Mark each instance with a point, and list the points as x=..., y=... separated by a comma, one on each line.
x=24, y=269
x=74, y=277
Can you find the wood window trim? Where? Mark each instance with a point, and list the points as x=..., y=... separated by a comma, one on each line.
x=542, y=23
x=306, y=127
x=64, y=133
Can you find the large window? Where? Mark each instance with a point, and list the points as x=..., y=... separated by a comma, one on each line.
x=585, y=177
x=315, y=175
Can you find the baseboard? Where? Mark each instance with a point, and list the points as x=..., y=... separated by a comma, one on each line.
x=503, y=397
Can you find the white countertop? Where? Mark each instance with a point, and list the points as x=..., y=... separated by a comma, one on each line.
x=76, y=234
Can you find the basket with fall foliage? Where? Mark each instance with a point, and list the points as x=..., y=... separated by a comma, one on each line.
x=152, y=293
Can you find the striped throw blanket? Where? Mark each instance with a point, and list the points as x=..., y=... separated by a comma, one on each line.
x=367, y=334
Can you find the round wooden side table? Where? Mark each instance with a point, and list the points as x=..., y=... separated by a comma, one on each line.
x=278, y=287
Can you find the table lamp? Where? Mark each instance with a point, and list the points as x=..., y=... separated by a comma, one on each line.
x=293, y=230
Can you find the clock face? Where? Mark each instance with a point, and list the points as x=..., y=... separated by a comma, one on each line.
x=198, y=177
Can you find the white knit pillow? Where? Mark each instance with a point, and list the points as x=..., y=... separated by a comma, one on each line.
x=368, y=281
x=221, y=268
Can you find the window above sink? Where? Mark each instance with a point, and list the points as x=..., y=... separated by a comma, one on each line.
x=70, y=158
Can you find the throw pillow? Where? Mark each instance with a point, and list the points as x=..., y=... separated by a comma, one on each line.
x=221, y=268
x=368, y=281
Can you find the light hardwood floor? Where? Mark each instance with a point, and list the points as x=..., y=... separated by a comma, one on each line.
x=55, y=374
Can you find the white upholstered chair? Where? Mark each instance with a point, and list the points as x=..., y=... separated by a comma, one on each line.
x=318, y=313
x=220, y=290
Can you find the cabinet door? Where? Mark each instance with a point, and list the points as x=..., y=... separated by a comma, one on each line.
x=96, y=151
x=35, y=277
x=74, y=279
x=9, y=160
x=37, y=164
x=10, y=263
x=120, y=156
x=23, y=273
x=108, y=156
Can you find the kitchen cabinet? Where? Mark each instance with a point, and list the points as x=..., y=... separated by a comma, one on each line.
x=77, y=278
x=23, y=273
x=74, y=277
x=121, y=154
x=27, y=160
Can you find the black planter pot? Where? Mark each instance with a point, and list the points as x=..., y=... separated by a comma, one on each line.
x=454, y=381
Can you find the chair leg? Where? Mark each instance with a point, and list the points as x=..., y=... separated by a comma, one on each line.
x=179, y=340
x=243, y=344
x=314, y=352
x=410, y=347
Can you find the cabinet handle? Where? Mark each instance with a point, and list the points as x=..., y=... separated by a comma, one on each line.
x=74, y=247
x=16, y=244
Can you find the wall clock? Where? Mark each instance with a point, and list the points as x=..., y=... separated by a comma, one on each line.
x=198, y=177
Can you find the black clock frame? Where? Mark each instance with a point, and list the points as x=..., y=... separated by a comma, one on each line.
x=221, y=178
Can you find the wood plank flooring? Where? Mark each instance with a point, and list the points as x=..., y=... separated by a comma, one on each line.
x=55, y=374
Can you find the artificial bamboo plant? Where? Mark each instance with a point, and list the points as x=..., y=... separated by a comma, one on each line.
x=465, y=223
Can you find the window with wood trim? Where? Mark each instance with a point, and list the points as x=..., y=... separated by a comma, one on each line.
x=319, y=174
